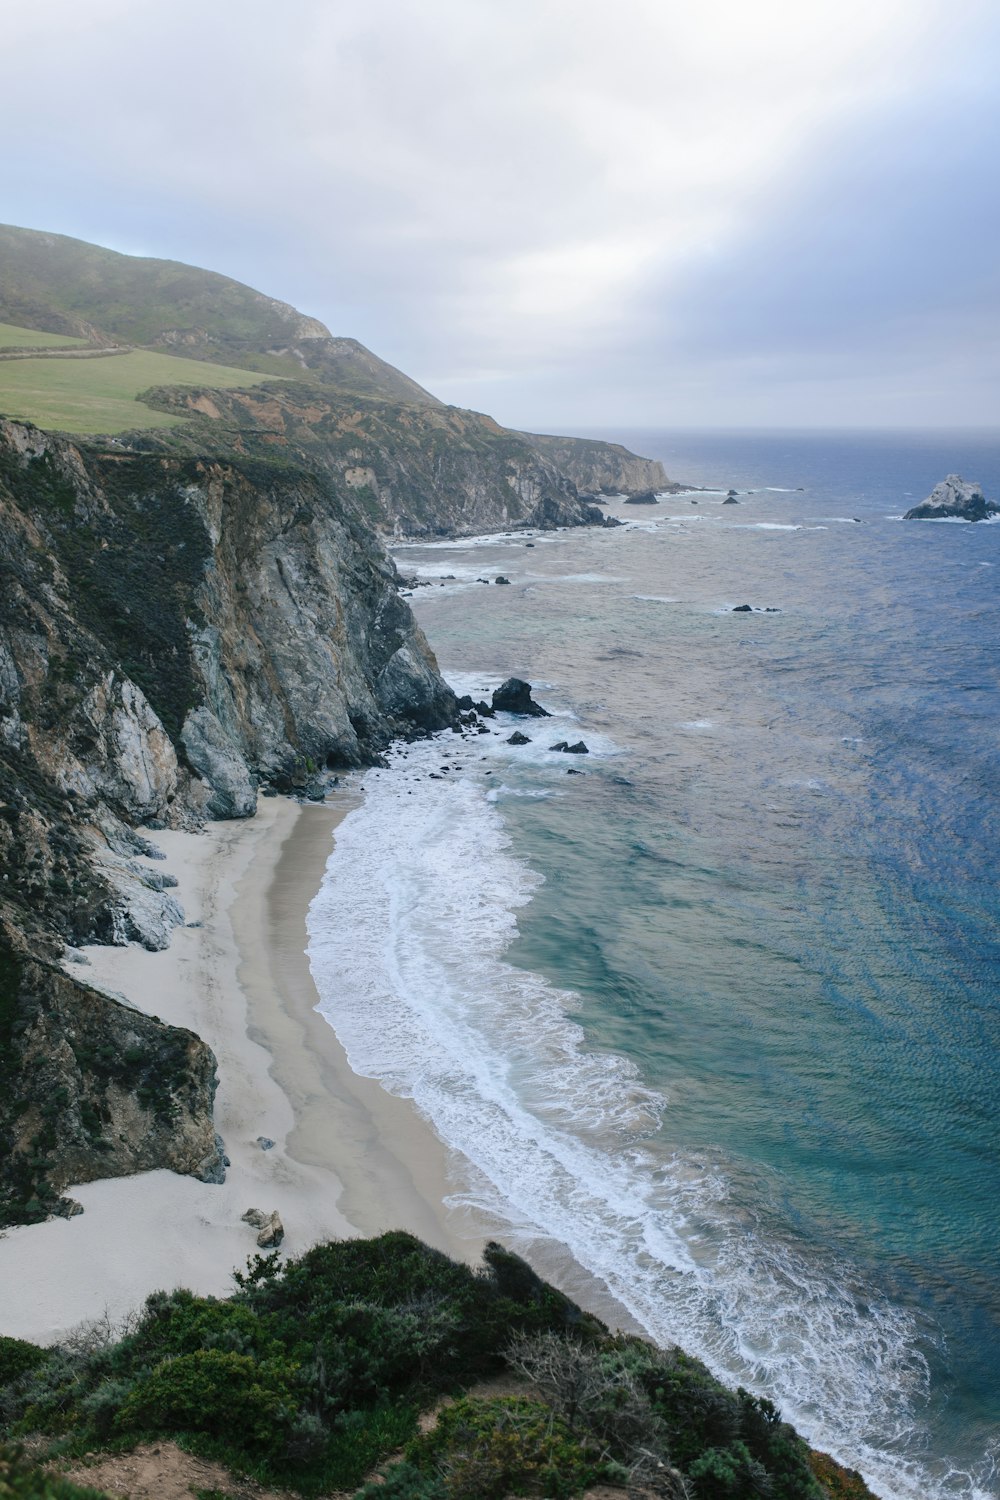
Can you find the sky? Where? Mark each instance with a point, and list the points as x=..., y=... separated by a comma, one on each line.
x=568, y=213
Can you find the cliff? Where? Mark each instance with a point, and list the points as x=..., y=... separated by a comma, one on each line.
x=413, y=471
x=174, y=633
x=595, y=466
x=417, y=466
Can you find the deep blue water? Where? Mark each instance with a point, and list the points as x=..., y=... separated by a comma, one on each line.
x=771, y=907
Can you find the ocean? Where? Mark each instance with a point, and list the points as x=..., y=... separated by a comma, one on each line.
x=719, y=1017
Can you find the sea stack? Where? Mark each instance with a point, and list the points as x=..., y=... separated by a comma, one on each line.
x=954, y=498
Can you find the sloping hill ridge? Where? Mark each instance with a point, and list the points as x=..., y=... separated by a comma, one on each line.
x=61, y=285
x=457, y=472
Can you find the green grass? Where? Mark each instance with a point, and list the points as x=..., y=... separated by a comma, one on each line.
x=12, y=337
x=101, y=395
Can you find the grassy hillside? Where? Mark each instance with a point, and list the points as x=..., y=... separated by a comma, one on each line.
x=102, y=394
x=66, y=286
x=12, y=337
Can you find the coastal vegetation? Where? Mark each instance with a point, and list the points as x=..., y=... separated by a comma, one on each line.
x=383, y=1354
x=101, y=394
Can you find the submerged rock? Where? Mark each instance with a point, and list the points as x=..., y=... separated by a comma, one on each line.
x=955, y=498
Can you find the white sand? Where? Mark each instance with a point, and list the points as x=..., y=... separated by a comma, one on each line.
x=348, y=1158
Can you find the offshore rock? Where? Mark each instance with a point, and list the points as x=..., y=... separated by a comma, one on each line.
x=645, y=497
x=514, y=697
x=953, y=497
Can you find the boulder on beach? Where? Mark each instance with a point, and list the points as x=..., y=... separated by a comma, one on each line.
x=270, y=1229
x=514, y=697
x=953, y=497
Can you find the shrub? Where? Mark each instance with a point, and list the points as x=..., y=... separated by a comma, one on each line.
x=486, y=1449
x=17, y=1357
x=729, y=1474
x=226, y=1395
x=181, y=1323
x=404, y=1482
x=22, y=1480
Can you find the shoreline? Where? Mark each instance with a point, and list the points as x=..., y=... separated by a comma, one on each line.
x=347, y=1159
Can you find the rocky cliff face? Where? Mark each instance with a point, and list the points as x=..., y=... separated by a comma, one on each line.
x=174, y=633
x=92, y=1088
x=595, y=466
x=413, y=471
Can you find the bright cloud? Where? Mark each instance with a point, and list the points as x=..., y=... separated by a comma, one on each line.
x=507, y=197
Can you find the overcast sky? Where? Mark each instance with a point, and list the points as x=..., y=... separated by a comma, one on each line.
x=564, y=212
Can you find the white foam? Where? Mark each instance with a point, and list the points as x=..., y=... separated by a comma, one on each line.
x=767, y=526
x=657, y=598
x=407, y=939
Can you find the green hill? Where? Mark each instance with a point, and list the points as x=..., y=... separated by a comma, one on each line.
x=99, y=394
x=58, y=285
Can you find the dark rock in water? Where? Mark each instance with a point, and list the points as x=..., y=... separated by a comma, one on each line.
x=501, y=579
x=694, y=502
x=514, y=697
x=730, y=500
x=742, y=609
x=517, y=738
x=465, y=703
x=644, y=497
x=578, y=749
x=574, y=771
x=562, y=745
x=484, y=708
x=529, y=544
x=772, y=609
x=482, y=580
x=954, y=497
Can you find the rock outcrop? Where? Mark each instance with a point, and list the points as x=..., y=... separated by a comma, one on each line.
x=954, y=498
x=174, y=633
x=91, y=1088
x=514, y=697
x=411, y=471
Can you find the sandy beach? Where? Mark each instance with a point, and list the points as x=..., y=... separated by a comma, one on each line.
x=347, y=1157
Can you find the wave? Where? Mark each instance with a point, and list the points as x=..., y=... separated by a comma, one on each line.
x=563, y=1143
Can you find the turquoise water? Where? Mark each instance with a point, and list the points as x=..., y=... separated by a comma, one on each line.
x=770, y=907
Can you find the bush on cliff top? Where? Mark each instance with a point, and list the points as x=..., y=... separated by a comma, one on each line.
x=315, y=1369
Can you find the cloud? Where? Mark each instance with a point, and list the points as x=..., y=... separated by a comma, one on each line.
x=523, y=203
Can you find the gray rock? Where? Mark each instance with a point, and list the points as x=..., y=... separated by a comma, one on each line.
x=955, y=498
x=265, y=1143
x=514, y=697
x=517, y=738
x=270, y=1229
x=219, y=763
x=212, y=1168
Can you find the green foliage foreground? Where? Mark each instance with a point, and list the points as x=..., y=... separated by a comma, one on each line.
x=315, y=1370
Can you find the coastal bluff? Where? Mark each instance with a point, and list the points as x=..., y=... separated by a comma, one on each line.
x=175, y=635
